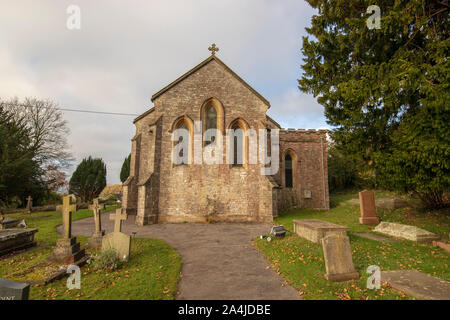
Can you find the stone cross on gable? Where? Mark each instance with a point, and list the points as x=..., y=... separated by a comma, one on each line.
x=213, y=49
x=96, y=208
x=67, y=210
x=118, y=217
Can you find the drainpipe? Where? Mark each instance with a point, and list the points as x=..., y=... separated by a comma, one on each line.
x=323, y=175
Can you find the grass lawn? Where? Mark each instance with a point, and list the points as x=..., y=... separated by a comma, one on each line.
x=301, y=263
x=151, y=273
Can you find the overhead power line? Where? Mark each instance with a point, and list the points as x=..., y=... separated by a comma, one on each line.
x=83, y=111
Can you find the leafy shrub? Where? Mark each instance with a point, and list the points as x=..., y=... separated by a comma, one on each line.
x=106, y=260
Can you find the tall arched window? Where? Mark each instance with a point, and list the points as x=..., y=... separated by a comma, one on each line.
x=210, y=121
x=212, y=116
x=182, y=138
x=238, y=145
x=181, y=153
x=288, y=172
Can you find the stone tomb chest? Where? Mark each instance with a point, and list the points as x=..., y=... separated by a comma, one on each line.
x=16, y=239
x=7, y=223
x=316, y=230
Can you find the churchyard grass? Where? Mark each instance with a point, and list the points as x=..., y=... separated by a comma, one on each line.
x=151, y=273
x=301, y=263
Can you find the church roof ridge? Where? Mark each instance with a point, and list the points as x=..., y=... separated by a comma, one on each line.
x=201, y=65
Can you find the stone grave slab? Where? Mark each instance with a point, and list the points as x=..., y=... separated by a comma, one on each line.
x=367, y=206
x=388, y=203
x=8, y=223
x=338, y=258
x=10, y=290
x=16, y=239
x=405, y=232
x=442, y=245
x=316, y=230
x=375, y=237
x=417, y=284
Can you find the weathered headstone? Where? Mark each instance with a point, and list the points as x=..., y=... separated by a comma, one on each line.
x=29, y=204
x=315, y=230
x=67, y=249
x=338, y=258
x=367, y=205
x=96, y=240
x=118, y=240
x=405, y=232
x=10, y=290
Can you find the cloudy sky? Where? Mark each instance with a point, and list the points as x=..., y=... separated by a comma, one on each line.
x=127, y=50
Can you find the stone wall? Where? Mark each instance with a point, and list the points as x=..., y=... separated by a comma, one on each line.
x=309, y=150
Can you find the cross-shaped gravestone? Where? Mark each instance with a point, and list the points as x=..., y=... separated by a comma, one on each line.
x=118, y=217
x=213, y=49
x=67, y=210
x=98, y=223
x=29, y=203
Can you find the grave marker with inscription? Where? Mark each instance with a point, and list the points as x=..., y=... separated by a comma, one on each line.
x=10, y=290
x=118, y=240
x=367, y=206
x=338, y=258
x=96, y=240
x=67, y=249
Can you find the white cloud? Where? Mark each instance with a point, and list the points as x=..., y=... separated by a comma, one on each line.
x=126, y=51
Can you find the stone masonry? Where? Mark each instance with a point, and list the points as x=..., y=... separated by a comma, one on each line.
x=158, y=191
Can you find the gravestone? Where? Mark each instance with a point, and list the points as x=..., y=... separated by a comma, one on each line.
x=96, y=240
x=405, y=232
x=67, y=249
x=315, y=230
x=16, y=239
x=367, y=205
x=29, y=204
x=338, y=258
x=10, y=290
x=118, y=240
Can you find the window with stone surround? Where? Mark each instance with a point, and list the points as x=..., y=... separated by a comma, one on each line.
x=186, y=154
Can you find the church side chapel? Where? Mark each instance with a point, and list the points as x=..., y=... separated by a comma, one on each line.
x=161, y=191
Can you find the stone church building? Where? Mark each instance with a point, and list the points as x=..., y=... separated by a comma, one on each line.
x=159, y=191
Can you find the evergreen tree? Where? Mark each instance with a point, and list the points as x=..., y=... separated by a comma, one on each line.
x=20, y=174
x=89, y=179
x=125, y=171
x=385, y=91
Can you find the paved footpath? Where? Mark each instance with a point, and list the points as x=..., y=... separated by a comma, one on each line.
x=219, y=261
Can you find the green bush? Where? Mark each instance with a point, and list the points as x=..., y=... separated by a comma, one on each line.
x=106, y=260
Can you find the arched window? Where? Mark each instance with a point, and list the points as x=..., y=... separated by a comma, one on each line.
x=182, y=138
x=238, y=145
x=210, y=121
x=288, y=172
x=212, y=116
x=183, y=125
